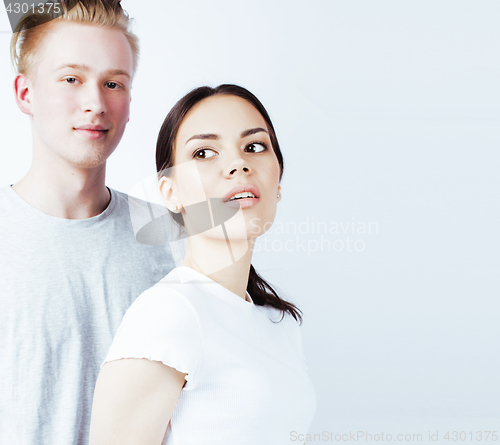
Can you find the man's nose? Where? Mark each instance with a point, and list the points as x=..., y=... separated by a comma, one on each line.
x=94, y=100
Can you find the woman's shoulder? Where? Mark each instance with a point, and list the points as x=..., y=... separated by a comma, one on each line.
x=166, y=306
x=162, y=301
x=280, y=317
x=171, y=289
x=160, y=325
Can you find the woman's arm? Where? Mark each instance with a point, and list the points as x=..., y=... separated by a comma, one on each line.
x=133, y=402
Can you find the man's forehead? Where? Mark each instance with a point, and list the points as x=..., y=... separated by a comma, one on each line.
x=86, y=47
x=86, y=68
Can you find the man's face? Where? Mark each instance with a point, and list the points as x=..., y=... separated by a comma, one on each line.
x=79, y=94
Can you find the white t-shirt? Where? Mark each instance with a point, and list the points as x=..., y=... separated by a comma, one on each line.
x=246, y=378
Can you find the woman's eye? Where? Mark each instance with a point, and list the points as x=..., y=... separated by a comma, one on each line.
x=204, y=153
x=255, y=148
x=112, y=85
x=70, y=80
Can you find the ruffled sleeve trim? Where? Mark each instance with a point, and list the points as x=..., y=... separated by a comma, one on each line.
x=161, y=326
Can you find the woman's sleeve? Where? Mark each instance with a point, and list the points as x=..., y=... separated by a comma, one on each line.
x=296, y=336
x=161, y=325
x=301, y=348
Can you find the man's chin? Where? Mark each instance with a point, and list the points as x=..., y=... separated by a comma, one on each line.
x=95, y=159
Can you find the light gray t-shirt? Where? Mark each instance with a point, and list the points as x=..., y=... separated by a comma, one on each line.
x=64, y=288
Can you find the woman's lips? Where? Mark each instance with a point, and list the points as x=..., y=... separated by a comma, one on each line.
x=242, y=188
x=242, y=203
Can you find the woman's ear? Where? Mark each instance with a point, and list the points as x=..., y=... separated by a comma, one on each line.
x=279, y=193
x=169, y=197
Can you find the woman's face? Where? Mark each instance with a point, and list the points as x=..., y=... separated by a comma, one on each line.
x=223, y=153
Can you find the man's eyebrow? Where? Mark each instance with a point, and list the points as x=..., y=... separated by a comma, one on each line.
x=76, y=66
x=213, y=137
x=118, y=73
x=253, y=131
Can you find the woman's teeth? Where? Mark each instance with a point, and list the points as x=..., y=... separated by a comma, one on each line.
x=242, y=195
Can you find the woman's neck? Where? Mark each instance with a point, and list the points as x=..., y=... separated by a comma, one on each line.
x=226, y=263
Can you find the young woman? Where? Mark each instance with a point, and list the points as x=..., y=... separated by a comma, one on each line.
x=211, y=354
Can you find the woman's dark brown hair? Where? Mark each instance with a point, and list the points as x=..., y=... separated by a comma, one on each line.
x=261, y=292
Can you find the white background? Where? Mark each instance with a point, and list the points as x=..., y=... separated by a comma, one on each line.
x=387, y=111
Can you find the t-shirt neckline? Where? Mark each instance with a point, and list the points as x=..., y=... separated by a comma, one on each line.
x=201, y=277
x=88, y=222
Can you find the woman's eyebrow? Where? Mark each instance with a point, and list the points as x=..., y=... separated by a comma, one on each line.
x=204, y=136
x=216, y=137
x=253, y=131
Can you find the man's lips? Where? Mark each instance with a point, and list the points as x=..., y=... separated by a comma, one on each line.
x=91, y=131
x=242, y=202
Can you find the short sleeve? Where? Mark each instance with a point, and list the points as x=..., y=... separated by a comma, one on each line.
x=296, y=337
x=161, y=325
x=301, y=348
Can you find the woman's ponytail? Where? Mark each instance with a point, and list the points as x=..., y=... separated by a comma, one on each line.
x=264, y=295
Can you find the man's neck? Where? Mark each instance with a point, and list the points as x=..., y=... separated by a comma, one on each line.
x=73, y=194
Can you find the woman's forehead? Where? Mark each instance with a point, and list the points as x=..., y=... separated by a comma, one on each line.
x=224, y=115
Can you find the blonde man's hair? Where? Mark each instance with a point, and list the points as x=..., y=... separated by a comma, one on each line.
x=33, y=27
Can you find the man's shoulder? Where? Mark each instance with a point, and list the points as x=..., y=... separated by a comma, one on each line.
x=5, y=192
x=9, y=201
x=132, y=203
x=147, y=218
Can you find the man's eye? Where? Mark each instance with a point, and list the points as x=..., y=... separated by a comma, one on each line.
x=204, y=153
x=255, y=147
x=112, y=85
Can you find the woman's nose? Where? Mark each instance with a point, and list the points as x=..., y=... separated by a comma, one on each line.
x=237, y=165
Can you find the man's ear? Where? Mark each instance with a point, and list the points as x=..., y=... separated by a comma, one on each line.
x=22, y=90
x=169, y=197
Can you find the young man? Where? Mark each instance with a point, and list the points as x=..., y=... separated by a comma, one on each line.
x=70, y=264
